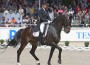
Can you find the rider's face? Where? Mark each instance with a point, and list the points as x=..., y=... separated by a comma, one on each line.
x=45, y=6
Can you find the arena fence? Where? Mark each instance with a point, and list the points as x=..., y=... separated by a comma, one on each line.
x=21, y=25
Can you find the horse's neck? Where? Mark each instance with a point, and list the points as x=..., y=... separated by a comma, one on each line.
x=56, y=29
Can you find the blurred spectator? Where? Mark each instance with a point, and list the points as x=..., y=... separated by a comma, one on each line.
x=34, y=20
x=19, y=8
x=6, y=12
x=21, y=11
x=2, y=22
x=51, y=14
x=89, y=17
x=80, y=15
x=77, y=9
x=13, y=22
x=27, y=9
x=60, y=11
x=19, y=21
x=7, y=21
x=71, y=13
x=31, y=10
x=86, y=20
x=26, y=20
x=76, y=21
x=9, y=16
x=55, y=13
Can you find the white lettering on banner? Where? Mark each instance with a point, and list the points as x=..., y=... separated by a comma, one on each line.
x=83, y=35
x=74, y=35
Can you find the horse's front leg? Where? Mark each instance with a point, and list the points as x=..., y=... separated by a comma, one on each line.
x=34, y=47
x=60, y=50
x=59, y=56
x=51, y=54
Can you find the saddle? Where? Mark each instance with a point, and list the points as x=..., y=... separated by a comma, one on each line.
x=40, y=29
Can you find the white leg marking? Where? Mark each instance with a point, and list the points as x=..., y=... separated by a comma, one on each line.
x=18, y=64
x=37, y=62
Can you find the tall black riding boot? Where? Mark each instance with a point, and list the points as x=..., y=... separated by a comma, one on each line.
x=41, y=39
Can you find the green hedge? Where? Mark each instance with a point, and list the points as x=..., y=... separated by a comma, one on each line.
x=66, y=43
x=86, y=44
x=1, y=41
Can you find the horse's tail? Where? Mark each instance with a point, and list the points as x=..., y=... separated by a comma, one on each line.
x=14, y=42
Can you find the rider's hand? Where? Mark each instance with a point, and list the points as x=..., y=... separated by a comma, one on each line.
x=49, y=21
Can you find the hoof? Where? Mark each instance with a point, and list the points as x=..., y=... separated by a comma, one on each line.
x=49, y=63
x=18, y=64
x=59, y=61
x=38, y=63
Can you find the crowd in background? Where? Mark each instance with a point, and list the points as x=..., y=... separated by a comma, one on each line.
x=18, y=13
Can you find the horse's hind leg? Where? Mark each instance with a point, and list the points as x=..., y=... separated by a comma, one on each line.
x=19, y=52
x=34, y=47
x=51, y=54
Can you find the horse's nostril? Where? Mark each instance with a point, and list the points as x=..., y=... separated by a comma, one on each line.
x=68, y=31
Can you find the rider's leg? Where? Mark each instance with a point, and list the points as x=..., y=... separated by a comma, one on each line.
x=41, y=38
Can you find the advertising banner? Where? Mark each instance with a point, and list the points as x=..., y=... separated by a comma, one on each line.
x=74, y=35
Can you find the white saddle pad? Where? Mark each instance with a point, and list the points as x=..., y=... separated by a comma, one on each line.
x=36, y=34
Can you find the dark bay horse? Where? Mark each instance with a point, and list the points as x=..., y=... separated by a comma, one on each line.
x=52, y=38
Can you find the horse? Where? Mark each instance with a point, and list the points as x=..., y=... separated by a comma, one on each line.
x=52, y=38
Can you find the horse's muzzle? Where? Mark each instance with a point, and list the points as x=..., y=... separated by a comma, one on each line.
x=67, y=30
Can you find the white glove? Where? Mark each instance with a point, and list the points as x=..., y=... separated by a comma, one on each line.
x=49, y=21
x=35, y=20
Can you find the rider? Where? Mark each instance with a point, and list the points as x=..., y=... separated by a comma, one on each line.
x=44, y=17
